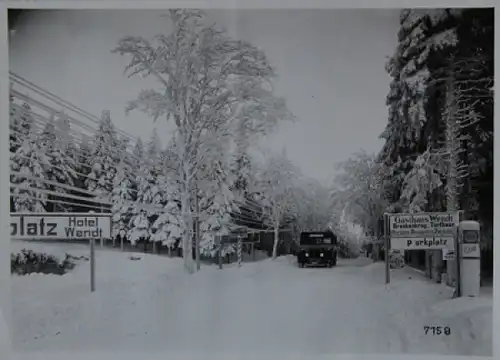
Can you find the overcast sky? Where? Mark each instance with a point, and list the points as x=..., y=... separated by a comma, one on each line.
x=330, y=65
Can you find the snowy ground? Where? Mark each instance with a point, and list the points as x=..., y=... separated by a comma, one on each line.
x=266, y=306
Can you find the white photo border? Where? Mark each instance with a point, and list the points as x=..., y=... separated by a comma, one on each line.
x=5, y=296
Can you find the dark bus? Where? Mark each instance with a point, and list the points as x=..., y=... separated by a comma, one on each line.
x=317, y=248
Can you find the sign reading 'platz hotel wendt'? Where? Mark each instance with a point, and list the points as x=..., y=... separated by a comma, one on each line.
x=59, y=226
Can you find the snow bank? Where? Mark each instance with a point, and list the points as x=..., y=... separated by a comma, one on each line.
x=57, y=249
x=269, y=305
x=420, y=302
x=454, y=307
x=47, y=305
x=5, y=344
x=473, y=320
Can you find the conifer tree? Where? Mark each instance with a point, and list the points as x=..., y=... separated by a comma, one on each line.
x=103, y=160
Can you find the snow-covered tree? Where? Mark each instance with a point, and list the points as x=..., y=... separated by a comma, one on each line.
x=137, y=212
x=21, y=121
x=137, y=155
x=82, y=157
x=151, y=184
x=142, y=181
x=152, y=192
x=461, y=117
x=242, y=170
x=358, y=185
x=153, y=150
x=136, y=160
x=29, y=160
x=277, y=183
x=450, y=159
x=422, y=180
x=442, y=72
x=476, y=43
x=122, y=195
x=337, y=209
x=349, y=235
x=255, y=120
x=214, y=182
x=140, y=227
x=103, y=159
x=167, y=228
x=443, y=162
x=313, y=206
x=154, y=188
x=209, y=82
x=47, y=138
x=55, y=140
x=423, y=35
x=81, y=153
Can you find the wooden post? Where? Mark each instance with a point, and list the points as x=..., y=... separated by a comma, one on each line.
x=260, y=239
x=101, y=238
x=92, y=265
x=386, y=238
x=197, y=231
x=218, y=240
x=239, y=250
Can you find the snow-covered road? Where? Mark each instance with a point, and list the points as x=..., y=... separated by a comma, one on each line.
x=267, y=306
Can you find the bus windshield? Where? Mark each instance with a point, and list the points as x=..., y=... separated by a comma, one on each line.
x=317, y=238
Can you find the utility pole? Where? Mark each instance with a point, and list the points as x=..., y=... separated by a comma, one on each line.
x=197, y=229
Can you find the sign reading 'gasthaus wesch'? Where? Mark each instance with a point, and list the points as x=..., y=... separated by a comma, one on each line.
x=59, y=226
x=423, y=231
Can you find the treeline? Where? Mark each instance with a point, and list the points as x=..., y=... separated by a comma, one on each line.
x=438, y=150
x=56, y=169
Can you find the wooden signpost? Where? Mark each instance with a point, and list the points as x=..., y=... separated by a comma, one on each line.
x=63, y=226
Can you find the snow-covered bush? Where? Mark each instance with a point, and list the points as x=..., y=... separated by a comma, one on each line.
x=139, y=231
x=29, y=261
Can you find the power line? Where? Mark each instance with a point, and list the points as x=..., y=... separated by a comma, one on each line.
x=115, y=152
x=54, y=111
x=247, y=203
x=22, y=81
x=55, y=193
x=30, y=101
x=243, y=218
x=135, y=204
x=69, y=203
x=138, y=172
x=250, y=205
x=56, y=99
x=87, y=192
